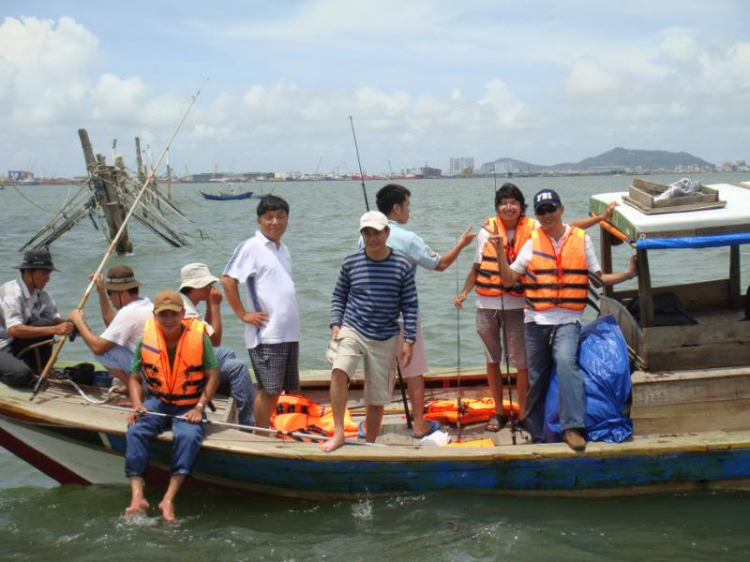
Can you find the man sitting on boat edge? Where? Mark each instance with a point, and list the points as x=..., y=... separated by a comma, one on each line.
x=28, y=315
x=557, y=260
x=375, y=287
x=196, y=286
x=181, y=374
x=114, y=348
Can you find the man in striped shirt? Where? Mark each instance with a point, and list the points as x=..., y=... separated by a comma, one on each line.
x=375, y=286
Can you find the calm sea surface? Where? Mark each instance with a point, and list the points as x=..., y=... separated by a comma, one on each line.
x=39, y=519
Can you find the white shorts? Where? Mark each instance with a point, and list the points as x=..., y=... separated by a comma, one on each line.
x=418, y=365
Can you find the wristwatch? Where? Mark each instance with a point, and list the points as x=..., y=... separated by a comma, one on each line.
x=201, y=406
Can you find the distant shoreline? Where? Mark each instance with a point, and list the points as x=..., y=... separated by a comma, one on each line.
x=573, y=173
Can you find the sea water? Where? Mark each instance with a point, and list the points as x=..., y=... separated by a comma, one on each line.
x=40, y=520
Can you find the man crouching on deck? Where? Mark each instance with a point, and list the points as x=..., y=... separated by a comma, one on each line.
x=181, y=373
x=375, y=286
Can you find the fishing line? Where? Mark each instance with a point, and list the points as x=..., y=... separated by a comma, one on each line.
x=359, y=163
x=459, y=425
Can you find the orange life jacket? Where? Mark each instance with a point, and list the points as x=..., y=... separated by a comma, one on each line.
x=296, y=413
x=558, y=280
x=489, y=282
x=475, y=410
x=182, y=382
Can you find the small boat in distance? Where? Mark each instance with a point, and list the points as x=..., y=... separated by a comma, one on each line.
x=226, y=196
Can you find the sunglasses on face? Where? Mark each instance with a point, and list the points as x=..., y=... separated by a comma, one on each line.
x=545, y=210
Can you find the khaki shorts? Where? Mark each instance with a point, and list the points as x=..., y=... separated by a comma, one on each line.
x=344, y=353
x=489, y=323
x=418, y=364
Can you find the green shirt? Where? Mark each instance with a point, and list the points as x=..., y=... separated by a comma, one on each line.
x=209, y=357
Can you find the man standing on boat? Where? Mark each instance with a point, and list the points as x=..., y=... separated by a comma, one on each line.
x=375, y=287
x=272, y=327
x=28, y=315
x=115, y=347
x=500, y=308
x=181, y=373
x=557, y=261
x=196, y=286
x=394, y=201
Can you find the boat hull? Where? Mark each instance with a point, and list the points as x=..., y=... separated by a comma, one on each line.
x=77, y=456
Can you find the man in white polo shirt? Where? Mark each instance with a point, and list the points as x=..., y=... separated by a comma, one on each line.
x=115, y=347
x=272, y=326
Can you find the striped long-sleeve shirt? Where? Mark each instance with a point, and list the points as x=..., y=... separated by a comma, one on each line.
x=371, y=295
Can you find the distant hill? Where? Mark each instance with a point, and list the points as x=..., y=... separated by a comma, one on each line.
x=615, y=158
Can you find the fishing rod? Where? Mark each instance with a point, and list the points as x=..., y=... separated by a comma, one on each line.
x=512, y=414
x=276, y=432
x=460, y=409
x=112, y=246
x=498, y=249
x=367, y=207
x=359, y=163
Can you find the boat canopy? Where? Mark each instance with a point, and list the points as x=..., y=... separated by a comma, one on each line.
x=690, y=229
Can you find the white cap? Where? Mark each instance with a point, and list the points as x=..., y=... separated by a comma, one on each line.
x=196, y=276
x=373, y=219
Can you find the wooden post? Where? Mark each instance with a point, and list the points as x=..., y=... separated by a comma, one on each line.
x=88, y=151
x=139, y=159
x=644, y=290
x=735, y=291
x=169, y=179
x=113, y=210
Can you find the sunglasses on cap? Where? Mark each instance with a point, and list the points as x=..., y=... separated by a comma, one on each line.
x=545, y=210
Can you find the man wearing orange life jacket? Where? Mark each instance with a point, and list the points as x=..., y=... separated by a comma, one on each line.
x=181, y=373
x=557, y=261
x=494, y=314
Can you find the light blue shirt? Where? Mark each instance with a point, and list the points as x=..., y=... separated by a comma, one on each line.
x=413, y=246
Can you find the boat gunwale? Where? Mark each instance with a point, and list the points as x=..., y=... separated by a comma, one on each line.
x=649, y=445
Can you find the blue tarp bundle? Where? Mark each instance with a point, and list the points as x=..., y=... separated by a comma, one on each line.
x=603, y=358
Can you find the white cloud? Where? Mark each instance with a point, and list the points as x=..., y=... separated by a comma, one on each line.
x=44, y=69
x=589, y=80
x=679, y=44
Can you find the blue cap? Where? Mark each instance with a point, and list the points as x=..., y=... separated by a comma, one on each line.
x=547, y=197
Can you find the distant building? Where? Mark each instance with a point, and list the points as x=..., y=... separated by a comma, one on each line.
x=20, y=175
x=428, y=172
x=459, y=165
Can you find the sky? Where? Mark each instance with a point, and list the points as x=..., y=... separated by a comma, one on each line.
x=424, y=80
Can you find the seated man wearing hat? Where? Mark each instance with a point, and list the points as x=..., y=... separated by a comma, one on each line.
x=197, y=285
x=28, y=315
x=176, y=362
x=114, y=348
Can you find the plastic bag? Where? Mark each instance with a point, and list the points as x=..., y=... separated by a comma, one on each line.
x=603, y=358
x=680, y=188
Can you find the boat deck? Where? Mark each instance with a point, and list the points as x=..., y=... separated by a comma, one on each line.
x=59, y=406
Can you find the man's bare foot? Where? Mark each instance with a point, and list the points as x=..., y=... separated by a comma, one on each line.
x=167, y=510
x=333, y=443
x=135, y=507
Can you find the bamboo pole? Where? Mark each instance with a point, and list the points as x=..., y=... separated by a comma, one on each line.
x=112, y=246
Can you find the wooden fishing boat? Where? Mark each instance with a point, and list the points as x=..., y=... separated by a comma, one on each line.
x=226, y=196
x=690, y=398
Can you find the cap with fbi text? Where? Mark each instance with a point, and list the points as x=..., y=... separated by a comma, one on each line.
x=547, y=197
